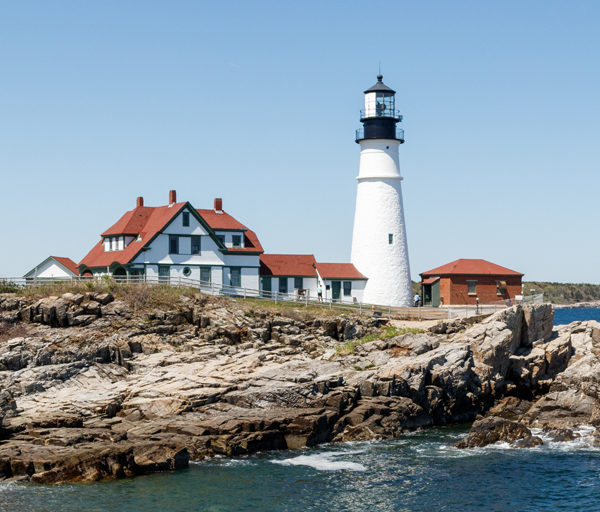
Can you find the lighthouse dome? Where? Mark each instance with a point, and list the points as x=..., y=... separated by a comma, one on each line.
x=380, y=87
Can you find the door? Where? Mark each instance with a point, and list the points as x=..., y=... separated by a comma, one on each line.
x=266, y=286
x=335, y=289
x=427, y=295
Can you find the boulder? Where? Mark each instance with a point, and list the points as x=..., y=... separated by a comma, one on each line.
x=538, y=322
x=494, y=429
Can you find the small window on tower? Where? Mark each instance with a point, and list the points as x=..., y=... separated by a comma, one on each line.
x=391, y=238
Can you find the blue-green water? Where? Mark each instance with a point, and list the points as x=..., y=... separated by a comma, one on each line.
x=421, y=472
x=568, y=315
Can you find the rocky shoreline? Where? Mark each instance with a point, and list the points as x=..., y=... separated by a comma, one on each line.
x=95, y=389
x=579, y=305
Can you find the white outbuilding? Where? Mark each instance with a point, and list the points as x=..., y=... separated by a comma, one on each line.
x=54, y=267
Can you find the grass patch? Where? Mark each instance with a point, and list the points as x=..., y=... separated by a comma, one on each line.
x=8, y=286
x=386, y=332
x=139, y=296
x=358, y=368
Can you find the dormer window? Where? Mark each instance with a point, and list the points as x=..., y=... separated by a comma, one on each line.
x=185, y=216
x=236, y=240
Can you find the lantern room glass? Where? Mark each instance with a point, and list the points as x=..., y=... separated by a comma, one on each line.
x=384, y=104
x=379, y=104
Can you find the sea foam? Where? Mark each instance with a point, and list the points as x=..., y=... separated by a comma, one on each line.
x=322, y=462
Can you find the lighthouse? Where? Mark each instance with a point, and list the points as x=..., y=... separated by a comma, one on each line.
x=379, y=246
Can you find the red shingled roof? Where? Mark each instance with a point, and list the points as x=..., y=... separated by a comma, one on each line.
x=431, y=280
x=67, y=262
x=147, y=221
x=339, y=271
x=287, y=265
x=471, y=267
x=303, y=265
x=220, y=220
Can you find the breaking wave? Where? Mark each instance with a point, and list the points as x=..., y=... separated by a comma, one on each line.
x=322, y=462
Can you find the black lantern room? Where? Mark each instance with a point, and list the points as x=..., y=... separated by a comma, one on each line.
x=380, y=116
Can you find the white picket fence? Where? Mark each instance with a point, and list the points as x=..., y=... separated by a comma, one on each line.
x=299, y=297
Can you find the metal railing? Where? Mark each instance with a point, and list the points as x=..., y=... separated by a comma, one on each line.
x=468, y=310
x=398, y=132
x=380, y=112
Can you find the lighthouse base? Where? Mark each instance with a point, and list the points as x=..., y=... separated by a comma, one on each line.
x=379, y=245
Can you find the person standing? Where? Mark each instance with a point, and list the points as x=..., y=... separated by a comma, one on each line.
x=320, y=292
x=417, y=300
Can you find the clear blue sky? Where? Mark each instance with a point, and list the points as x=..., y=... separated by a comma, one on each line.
x=257, y=102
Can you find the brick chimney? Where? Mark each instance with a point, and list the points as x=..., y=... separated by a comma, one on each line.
x=218, y=204
x=172, y=196
x=139, y=202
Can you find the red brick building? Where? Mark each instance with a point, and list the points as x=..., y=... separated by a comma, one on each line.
x=466, y=280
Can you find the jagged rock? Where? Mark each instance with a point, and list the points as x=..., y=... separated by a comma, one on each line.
x=117, y=390
x=494, y=429
x=538, y=322
x=74, y=298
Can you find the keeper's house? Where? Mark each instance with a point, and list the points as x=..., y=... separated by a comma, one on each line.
x=177, y=241
x=465, y=280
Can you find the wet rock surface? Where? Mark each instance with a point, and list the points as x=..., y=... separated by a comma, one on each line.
x=93, y=389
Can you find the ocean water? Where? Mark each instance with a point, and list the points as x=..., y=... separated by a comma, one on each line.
x=568, y=315
x=420, y=472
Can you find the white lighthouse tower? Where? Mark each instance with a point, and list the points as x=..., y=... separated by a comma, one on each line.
x=379, y=247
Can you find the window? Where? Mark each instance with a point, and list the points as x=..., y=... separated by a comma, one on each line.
x=205, y=274
x=221, y=238
x=347, y=288
x=472, y=287
x=283, y=285
x=500, y=287
x=187, y=271
x=173, y=244
x=236, y=240
x=391, y=238
x=298, y=283
x=195, y=245
x=185, y=216
x=163, y=273
x=235, y=277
